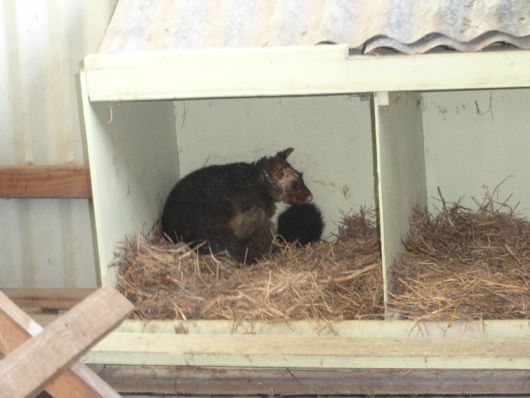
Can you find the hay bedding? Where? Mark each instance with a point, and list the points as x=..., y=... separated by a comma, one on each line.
x=464, y=264
x=330, y=281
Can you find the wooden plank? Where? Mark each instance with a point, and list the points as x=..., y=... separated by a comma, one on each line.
x=53, y=350
x=295, y=70
x=138, y=179
x=47, y=298
x=318, y=345
x=313, y=351
x=45, y=181
x=273, y=333
x=192, y=380
x=16, y=327
x=513, y=328
x=401, y=180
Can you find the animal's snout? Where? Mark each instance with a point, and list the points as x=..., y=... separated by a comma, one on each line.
x=303, y=196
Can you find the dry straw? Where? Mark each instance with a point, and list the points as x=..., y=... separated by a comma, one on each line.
x=330, y=281
x=464, y=264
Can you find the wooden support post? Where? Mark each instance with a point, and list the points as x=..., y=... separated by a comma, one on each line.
x=45, y=181
x=35, y=363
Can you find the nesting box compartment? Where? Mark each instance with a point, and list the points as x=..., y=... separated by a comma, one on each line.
x=151, y=118
x=332, y=137
x=475, y=170
x=140, y=162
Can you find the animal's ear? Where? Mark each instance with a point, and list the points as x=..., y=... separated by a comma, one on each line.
x=275, y=167
x=285, y=153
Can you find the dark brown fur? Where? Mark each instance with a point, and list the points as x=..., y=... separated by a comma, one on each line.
x=229, y=207
x=301, y=224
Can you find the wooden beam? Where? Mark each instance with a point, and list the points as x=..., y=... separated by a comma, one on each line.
x=500, y=348
x=513, y=328
x=52, y=351
x=190, y=380
x=79, y=381
x=47, y=298
x=45, y=181
x=294, y=70
x=310, y=351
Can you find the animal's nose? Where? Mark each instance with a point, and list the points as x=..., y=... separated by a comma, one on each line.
x=309, y=198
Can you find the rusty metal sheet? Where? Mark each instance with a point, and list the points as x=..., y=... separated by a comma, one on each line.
x=367, y=26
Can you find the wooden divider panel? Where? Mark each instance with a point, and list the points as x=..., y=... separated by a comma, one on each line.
x=400, y=170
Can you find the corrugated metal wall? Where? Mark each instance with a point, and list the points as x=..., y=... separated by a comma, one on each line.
x=45, y=242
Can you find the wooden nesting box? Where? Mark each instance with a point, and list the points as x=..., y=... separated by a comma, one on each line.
x=457, y=120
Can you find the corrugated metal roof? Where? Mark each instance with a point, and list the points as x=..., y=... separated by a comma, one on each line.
x=367, y=26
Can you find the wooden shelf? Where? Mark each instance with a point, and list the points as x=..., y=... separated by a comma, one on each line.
x=286, y=71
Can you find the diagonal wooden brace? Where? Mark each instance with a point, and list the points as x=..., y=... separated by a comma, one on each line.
x=38, y=359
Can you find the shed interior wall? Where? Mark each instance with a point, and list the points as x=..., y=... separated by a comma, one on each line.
x=133, y=156
x=332, y=137
x=473, y=141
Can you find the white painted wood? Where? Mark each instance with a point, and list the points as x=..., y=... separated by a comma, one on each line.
x=260, y=72
x=133, y=165
x=217, y=131
x=291, y=361
x=332, y=137
x=377, y=344
x=473, y=141
x=376, y=328
x=382, y=98
x=400, y=171
x=313, y=351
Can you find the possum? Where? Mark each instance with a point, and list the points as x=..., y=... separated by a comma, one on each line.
x=301, y=224
x=229, y=207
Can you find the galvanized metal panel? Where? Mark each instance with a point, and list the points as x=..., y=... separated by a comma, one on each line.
x=367, y=26
x=45, y=243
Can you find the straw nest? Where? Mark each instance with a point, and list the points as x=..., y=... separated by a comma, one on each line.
x=464, y=264
x=329, y=281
